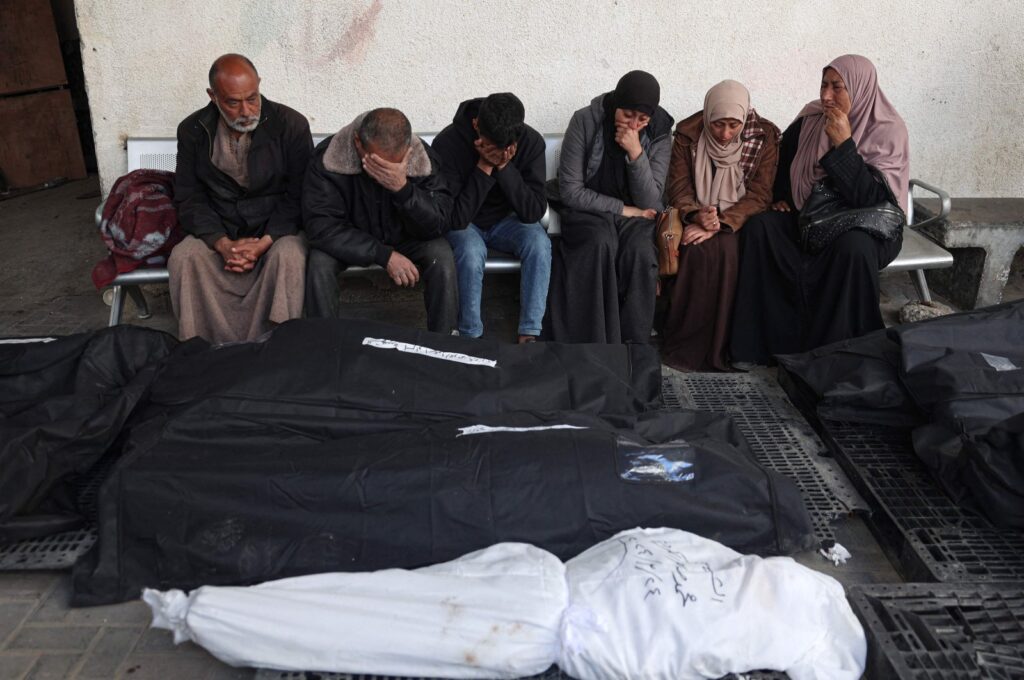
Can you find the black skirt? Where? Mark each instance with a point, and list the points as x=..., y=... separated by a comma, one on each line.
x=791, y=301
x=700, y=305
x=604, y=275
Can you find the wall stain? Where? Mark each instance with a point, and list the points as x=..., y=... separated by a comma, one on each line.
x=353, y=44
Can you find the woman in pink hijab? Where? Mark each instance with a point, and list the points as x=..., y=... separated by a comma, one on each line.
x=790, y=300
x=721, y=172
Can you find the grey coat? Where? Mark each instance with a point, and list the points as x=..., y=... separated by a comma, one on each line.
x=582, y=150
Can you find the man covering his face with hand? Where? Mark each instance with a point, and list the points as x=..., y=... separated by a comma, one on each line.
x=373, y=196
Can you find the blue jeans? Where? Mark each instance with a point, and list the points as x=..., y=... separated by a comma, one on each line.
x=528, y=242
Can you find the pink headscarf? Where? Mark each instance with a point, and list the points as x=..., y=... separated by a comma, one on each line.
x=724, y=186
x=879, y=132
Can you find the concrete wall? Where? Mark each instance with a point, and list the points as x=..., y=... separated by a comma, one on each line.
x=953, y=68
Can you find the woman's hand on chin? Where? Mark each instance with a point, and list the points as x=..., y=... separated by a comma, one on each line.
x=629, y=140
x=837, y=125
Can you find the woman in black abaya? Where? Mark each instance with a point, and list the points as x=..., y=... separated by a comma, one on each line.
x=789, y=300
x=611, y=179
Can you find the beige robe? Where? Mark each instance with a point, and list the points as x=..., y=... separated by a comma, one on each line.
x=222, y=306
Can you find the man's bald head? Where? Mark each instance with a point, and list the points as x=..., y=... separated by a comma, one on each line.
x=235, y=89
x=386, y=132
x=232, y=66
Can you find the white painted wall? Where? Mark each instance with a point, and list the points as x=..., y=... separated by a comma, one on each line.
x=953, y=68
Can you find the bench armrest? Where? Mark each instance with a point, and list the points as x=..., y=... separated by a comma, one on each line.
x=99, y=212
x=947, y=204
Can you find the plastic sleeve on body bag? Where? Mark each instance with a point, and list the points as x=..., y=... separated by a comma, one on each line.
x=671, y=462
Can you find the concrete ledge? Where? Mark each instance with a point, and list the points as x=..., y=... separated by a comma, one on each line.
x=984, y=235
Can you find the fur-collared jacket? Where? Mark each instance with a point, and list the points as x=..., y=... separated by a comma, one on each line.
x=211, y=204
x=351, y=217
x=760, y=140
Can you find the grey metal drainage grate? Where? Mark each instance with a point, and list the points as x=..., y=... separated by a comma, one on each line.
x=60, y=551
x=930, y=536
x=777, y=433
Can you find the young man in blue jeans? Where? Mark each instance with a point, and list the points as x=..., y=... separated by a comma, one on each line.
x=493, y=164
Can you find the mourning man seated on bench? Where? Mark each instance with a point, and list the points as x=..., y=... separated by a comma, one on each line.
x=373, y=196
x=494, y=164
x=238, y=190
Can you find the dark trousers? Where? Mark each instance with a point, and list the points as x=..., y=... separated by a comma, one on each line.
x=437, y=273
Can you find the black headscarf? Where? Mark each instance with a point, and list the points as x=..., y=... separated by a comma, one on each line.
x=638, y=91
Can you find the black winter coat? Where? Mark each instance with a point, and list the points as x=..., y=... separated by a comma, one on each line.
x=211, y=204
x=486, y=199
x=351, y=217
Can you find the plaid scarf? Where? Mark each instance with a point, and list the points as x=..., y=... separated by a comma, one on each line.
x=753, y=139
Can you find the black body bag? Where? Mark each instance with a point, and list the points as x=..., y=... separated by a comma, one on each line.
x=63, y=402
x=209, y=499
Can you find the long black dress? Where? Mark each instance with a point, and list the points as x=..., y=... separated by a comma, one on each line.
x=790, y=301
x=603, y=279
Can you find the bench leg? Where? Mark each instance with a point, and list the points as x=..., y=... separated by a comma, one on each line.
x=921, y=284
x=994, y=274
x=139, y=298
x=116, y=306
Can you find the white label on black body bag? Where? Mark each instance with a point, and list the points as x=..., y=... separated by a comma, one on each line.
x=24, y=341
x=998, y=363
x=483, y=429
x=381, y=343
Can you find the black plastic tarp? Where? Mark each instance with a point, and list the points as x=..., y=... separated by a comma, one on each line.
x=957, y=380
x=63, y=402
x=202, y=498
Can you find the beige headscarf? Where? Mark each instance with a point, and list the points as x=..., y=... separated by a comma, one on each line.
x=724, y=186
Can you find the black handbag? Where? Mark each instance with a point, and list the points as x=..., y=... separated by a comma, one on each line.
x=825, y=216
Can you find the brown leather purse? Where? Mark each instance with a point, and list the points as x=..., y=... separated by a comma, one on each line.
x=668, y=235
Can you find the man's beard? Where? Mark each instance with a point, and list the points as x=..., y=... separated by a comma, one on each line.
x=240, y=124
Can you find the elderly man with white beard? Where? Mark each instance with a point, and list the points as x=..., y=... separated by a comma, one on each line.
x=238, y=185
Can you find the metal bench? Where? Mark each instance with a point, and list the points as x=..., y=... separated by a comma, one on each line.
x=918, y=253
x=161, y=153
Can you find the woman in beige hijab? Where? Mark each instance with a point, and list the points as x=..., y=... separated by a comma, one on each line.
x=722, y=169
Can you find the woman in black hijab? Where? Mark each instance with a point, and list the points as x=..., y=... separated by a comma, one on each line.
x=611, y=177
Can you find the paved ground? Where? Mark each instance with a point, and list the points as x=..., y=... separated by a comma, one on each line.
x=50, y=245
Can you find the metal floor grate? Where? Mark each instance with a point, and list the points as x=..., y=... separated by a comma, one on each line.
x=61, y=551
x=930, y=535
x=778, y=435
x=924, y=631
